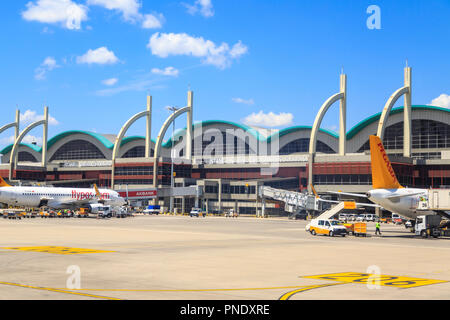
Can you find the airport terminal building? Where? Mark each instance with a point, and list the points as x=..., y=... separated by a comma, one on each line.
x=230, y=161
x=81, y=158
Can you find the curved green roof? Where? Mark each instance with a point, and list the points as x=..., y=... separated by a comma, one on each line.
x=108, y=144
x=286, y=131
x=7, y=149
x=125, y=140
x=364, y=123
x=168, y=143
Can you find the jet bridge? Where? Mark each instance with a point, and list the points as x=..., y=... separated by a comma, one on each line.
x=293, y=200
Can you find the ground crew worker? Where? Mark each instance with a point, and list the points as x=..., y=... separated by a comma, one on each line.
x=377, y=228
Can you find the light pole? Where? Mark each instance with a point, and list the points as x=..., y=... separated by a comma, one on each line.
x=172, y=184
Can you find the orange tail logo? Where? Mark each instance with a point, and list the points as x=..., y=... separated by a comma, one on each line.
x=383, y=176
x=3, y=183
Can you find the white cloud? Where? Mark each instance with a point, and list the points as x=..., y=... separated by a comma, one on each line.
x=27, y=139
x=140, y=84
x=110, y=82
x=166, y=44
x=48, y=65
x=153, y=21
x=7, y=140
x=65, y=12
x=269, y=119
x=32, y=139
x=30, y=116
x=128, y=8
x=243, y=101
x=130, y=12
x=442, y=101
x=99, y=56
x=169, y=71
x=238, y=50
x=204, y=7
x=333, y=127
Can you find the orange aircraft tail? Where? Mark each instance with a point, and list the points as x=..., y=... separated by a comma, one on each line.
x=3, y=183
x=383, y=175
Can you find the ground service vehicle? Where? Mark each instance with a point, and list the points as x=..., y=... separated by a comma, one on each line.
x=231, y=214
x=328, y=227
x=152, y=209
x=431, y=226
x=103, y=211
x=197, y=212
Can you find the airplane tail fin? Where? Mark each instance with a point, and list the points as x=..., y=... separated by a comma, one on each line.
x=97, y=192
x=3, y=183
x=383, y=175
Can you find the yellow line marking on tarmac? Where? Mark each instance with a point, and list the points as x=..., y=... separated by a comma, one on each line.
x=57, y=290
x=189, y=290
x=289, y=294
x=57, y=250
x=376, y=279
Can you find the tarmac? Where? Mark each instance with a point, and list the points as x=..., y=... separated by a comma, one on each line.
x=178, y=257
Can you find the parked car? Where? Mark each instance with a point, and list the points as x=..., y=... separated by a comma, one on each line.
x=197, y=212
x=369, y=217
x=360, y=218
x=397, y=219
x=299, y=215
x=343, y=217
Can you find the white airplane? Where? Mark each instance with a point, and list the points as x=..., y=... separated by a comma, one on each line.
x=58, y=198
x=387, y=192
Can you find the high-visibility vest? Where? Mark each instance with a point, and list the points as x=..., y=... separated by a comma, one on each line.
x=378, y=225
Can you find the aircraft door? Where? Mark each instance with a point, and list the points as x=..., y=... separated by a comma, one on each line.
x=436, y=200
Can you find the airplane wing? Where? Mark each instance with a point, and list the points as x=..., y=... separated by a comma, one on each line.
x=69, y=203
x=356, y=203
x=359, y=195
x=395, y=197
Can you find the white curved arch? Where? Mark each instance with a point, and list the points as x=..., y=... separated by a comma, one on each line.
x=18, y=141
x=7, y=126
x=387, y=109
x=124, y=129
x=160, y=138
x=323, y=110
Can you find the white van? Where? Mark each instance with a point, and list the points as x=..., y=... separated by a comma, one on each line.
x=369, y=217
x=328, y=227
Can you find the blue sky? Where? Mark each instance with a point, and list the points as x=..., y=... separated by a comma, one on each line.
x=93, y=61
